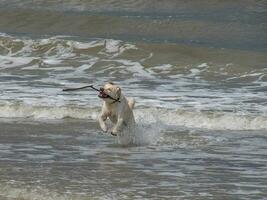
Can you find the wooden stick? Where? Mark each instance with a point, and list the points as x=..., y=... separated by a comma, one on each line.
x=79, y=88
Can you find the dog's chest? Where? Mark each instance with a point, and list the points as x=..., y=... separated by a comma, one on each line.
x=113, y=117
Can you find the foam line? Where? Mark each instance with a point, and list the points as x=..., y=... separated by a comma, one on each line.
x=190, y=119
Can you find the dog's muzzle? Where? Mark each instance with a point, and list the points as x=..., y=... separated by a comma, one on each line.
x=102, y=94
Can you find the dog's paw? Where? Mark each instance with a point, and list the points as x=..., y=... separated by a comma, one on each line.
x=105, y=130
x=114, y=134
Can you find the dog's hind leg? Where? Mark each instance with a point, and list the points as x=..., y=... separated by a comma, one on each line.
x=131, y=103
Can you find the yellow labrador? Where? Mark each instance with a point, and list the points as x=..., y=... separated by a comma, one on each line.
x=117, y=108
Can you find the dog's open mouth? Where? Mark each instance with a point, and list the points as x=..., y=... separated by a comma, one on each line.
x=102, y=95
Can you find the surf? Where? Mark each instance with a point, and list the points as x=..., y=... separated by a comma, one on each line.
x=211, y=120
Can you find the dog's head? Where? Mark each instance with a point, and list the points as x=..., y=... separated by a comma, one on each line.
x=110, y=92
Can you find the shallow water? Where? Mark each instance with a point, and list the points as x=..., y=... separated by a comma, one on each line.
x=72, y=159
x=198, y=74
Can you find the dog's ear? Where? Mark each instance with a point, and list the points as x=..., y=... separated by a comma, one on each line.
x=118, y=91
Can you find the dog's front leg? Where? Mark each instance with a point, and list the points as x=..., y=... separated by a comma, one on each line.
x=117, y=126
x=102, y=118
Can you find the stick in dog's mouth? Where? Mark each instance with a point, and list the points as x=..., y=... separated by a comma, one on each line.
x=101, y=94
x=79, y=88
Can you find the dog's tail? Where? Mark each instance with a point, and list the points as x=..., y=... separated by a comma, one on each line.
x=131, y=103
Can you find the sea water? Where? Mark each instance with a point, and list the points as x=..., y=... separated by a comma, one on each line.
x=198, y=74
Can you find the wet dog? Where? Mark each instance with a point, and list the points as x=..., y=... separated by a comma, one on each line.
x=117, y=108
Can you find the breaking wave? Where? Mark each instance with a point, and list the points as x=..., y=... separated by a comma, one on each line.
x=34, y=71
x=213, y=120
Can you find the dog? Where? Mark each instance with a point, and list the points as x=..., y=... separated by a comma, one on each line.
x=117, y=108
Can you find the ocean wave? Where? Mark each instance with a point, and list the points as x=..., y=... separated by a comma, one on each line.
x=59, y=46
x=178, y=118
x=167, y=75
x=46, y=112
x=55, y=53
x=213, y=120
x=141, y=20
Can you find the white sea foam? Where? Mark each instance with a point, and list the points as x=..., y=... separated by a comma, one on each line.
x=114, y=48
x=9, y=62
x=85, y=45
x=52, y=61
x=60, y=46
x=141, y=134
x=136, y=68
x=203, y=65
x=211, y=120
x=45, y=112
x=145, y=117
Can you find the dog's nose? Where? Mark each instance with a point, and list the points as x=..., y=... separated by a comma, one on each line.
x=102, y=89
